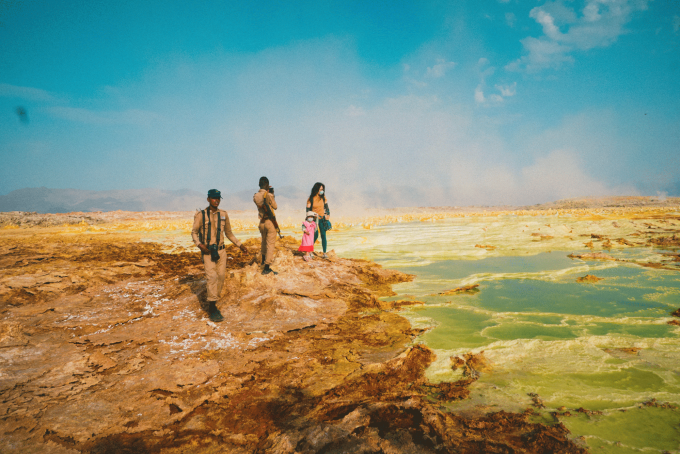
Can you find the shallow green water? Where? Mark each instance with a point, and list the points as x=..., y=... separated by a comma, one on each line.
x=541, y=331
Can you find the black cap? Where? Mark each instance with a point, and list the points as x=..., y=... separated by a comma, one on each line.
x=214, y=194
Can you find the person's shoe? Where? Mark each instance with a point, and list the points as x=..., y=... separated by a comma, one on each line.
x=268, y=270
x=214, y=313
x=325, y=255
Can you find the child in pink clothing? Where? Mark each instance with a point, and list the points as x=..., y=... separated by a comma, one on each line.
x=308, y=228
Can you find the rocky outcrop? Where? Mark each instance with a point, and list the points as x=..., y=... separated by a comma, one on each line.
x=592, y=256
x=105, y=347
x=673, y=241
x=589, y=278
x=16, y=219
x=473, y=288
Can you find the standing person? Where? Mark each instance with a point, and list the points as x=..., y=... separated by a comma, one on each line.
x=267, y=229
x=318, y=203
x=308, y=231
x=210, y=227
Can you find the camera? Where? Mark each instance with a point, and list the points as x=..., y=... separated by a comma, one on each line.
x=271, y=190
x=214, y=253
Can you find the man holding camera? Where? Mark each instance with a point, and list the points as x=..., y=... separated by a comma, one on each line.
x=264, y=199
x=210, y=227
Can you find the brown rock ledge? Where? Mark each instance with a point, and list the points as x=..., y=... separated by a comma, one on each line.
x=474, y=288
x=105, y=348
x=589, y=278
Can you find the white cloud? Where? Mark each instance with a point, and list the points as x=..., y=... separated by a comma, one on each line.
x=76, y=114
x=510, y=19
x=507, y=90
x=548, y=23
x=418, y=77
x=591, y=12
x=676, y=23
x=599, y=141
x=28, y=93
x=542, y=54
x=80, y=115
x=439, y=70
x=558, y=175
x=415, y=82
x=600, y=24
x=479, y=94
x=354, y=111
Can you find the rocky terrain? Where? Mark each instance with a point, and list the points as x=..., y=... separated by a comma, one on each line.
x=105, y=347
x=610, y=202
x=248, y=216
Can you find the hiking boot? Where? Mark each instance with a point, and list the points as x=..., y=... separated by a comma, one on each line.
x=214, y=313
x=268, y=270
x=325, y=255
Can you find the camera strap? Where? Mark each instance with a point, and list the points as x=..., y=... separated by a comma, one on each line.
x=214, y=252
x=219, y=227
x=201, y=233
x=207, y=243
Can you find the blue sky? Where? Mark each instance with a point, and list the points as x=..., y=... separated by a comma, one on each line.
x=436, y=103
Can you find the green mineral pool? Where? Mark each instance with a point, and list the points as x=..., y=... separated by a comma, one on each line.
x=605, y=347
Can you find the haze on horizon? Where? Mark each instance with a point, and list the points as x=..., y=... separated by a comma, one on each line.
x=426, y=103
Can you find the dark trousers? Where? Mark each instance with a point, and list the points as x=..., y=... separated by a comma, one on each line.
x=324, y=244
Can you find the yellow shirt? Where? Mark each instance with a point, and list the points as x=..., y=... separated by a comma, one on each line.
x=318, y=206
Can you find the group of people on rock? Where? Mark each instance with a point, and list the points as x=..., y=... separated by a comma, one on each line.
x=212, y=225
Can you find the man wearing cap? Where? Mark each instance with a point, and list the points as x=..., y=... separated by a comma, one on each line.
x=267, y=229
x=210, y=227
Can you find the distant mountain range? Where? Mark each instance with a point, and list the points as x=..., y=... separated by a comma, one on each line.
x=46, y=200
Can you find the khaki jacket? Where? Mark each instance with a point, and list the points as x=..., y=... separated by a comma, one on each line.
x=259, y=198
x=225, y=228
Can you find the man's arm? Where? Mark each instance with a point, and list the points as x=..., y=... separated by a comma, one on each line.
x=194, y=232
x=230, y=234
x=272, y=200
x=269, y=211
x=195, y=228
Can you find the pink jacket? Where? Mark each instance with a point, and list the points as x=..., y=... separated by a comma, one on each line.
x=308, y=235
